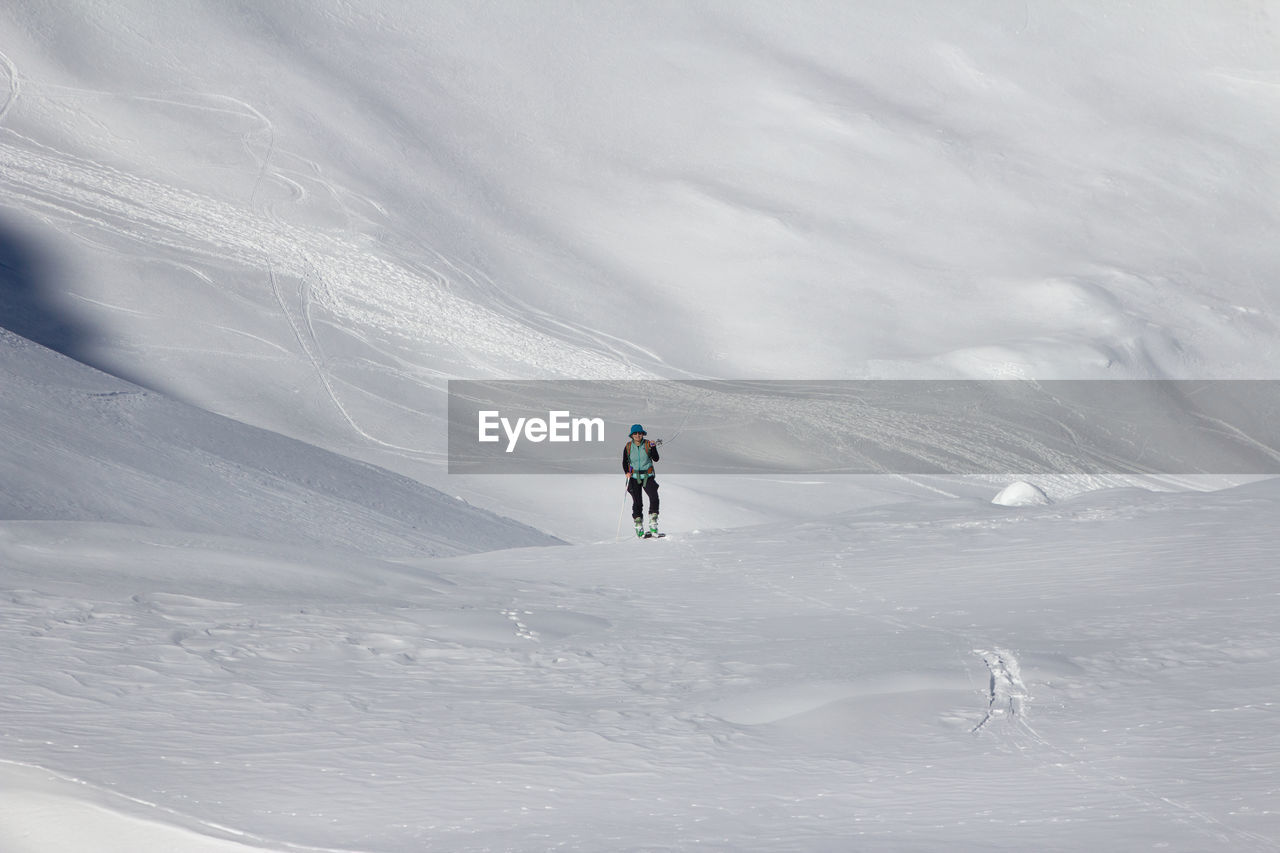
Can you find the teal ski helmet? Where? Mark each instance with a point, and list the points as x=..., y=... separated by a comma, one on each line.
x=636, y=428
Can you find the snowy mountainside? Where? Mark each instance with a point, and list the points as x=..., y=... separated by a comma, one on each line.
x=244, y=247
x=85, y=446
x=366, y=200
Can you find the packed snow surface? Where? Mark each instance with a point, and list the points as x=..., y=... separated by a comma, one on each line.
x=244, y=606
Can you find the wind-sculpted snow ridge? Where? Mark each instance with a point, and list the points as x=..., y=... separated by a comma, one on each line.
x=1095, y=674
x=84, y=446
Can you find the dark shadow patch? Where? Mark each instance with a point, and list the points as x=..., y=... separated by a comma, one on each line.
x=29, y=305
x=34, y=306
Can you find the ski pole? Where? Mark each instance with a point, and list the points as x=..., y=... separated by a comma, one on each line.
x=622, y=510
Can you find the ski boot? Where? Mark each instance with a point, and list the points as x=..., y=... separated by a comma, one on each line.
x=653, y=524
x=639, y=527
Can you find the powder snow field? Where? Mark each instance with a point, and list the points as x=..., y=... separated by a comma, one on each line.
x=947, y=675
x=243, y=248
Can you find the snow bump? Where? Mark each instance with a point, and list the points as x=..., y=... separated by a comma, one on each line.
x=1021, y=493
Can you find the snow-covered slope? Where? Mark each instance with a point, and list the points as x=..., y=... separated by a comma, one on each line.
x=1097, y=674
x=306, y=218
x=84, y=446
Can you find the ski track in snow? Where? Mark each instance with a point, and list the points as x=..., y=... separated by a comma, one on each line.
x=360, y=285
x=305, y=336
x=15, y=85
x=348, y=277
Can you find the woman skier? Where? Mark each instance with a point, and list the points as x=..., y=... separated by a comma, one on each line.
x=637, y=462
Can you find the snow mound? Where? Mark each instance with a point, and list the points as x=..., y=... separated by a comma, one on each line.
x=1021, y=493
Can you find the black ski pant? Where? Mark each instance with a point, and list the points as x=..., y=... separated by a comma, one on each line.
x=637, y=503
